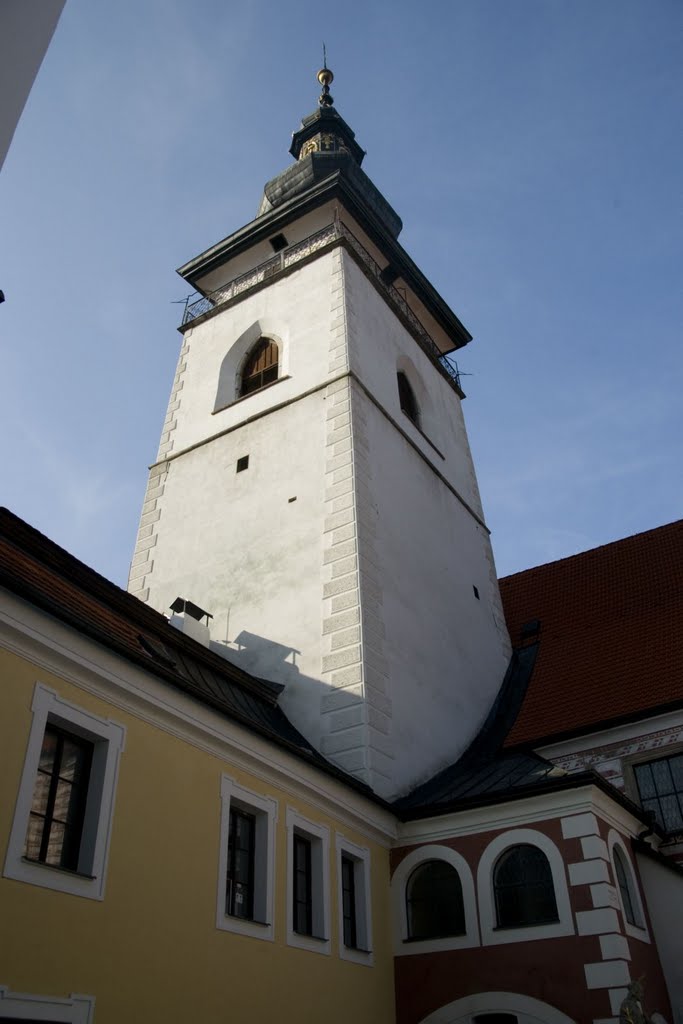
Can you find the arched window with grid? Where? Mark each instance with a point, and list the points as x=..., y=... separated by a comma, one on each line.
x=523, y=888
x=260, y=368
x=434, y=901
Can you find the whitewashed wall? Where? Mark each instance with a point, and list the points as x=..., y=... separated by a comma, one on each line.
x=357, y=595
x=664, y=895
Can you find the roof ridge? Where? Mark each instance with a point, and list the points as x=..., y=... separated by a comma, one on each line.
x=588, y=551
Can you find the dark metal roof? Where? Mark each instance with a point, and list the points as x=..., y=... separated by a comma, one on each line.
x=484, y=771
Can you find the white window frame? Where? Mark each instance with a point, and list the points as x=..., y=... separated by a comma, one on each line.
x=265, y=810
x=319, y=837
x=75, y=1009
x=108, y=738
x=360, y=855
x=491, y=935
x=635, y=931
x=403, y=945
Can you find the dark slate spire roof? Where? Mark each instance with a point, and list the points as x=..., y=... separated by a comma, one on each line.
x=324, y=145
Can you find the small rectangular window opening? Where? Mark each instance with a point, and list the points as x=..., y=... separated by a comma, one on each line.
x=476, y=592
x=303, y=894
x=239, y=900
x=242, y=463
x=58, y=807
x=349, y=902
x=279, y=242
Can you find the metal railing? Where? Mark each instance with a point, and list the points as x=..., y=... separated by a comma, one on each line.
x=301, y=250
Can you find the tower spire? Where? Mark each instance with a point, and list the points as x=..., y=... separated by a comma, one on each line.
x=325, y=76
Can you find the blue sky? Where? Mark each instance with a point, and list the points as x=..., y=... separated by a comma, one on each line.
x=533, y=150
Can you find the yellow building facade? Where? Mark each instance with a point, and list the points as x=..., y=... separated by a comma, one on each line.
x=148, y=937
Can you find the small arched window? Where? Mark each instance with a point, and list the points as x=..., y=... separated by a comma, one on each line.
x=261, y=367
x=523, y=888
x=625, y=883
x=407, y=398
x=434, y=901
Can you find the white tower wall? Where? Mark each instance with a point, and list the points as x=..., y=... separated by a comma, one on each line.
x=358, y=595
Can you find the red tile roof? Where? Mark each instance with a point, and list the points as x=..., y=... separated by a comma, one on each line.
x=611, y=640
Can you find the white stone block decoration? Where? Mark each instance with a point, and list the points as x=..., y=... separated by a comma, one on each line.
x=604, y=895
x=607, y=973
x=585, y=872
x=594, y=846
x=614, y=947
x=579, y=825
x=597, y=922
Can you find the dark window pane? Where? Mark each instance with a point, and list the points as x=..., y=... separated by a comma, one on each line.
x=645, y=781
x=434, y=901
x=349, y=902
x=523, y=887
x=303, y=901
x=239, y=896
x=41, y=792
x=59, y=797
x=662, y=777
x=671, y=814
x=622, y=874
x=660, y=784
x=55, y=845
x=34, y=836
x=495, y=1018
x=676, y=765
x=407, y=398
x=47, y=753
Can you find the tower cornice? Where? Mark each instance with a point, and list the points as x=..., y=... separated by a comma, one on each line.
x=334, y=187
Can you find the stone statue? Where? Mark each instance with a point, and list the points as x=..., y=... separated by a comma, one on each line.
x=631, y=1011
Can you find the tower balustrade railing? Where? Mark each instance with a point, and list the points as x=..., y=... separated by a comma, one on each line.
x=328, y=236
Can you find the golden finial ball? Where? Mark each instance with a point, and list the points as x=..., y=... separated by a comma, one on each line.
x=325, y=76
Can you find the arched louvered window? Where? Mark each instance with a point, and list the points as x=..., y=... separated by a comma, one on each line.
x=625, y=883
x=523, y=887
x=261, y=367
x=434, y=901
x=407, y=398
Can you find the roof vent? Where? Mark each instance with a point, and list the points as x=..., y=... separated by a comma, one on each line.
x=188, y=619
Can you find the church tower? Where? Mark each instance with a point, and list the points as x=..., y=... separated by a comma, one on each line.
x=314, y=490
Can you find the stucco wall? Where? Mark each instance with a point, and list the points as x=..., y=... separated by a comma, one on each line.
x=150, y=950
x=359, y=595
x=664, y=896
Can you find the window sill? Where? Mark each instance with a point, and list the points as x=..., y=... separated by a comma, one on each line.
x=244, y=398
x=313, y=938
x=63, y=871
x=434, y=938
x=516, y=927
x=248, y=920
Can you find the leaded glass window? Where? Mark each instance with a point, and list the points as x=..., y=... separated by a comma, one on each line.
x=434, y=901
x=660, y=784
x=623, y=880
x=523, y=887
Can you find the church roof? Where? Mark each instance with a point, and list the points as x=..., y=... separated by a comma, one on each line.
x=36, y=569
x=611, y=636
